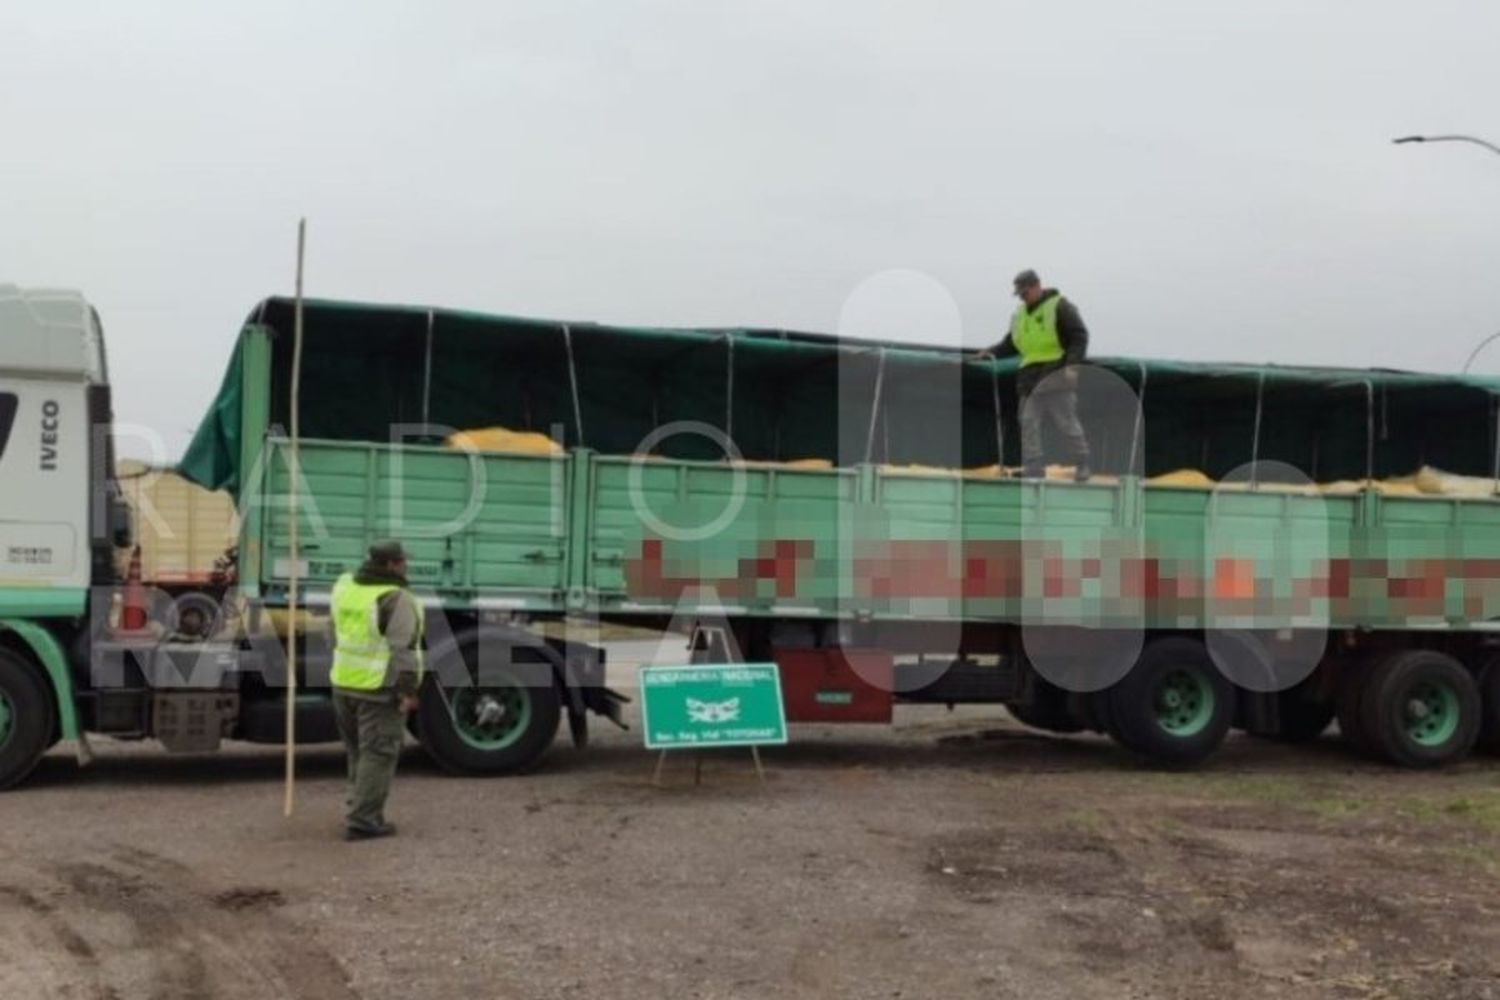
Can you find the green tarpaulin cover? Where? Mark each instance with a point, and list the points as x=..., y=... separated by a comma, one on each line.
x=782, y=395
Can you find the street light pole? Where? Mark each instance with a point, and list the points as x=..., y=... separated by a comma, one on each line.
x=1471, y=139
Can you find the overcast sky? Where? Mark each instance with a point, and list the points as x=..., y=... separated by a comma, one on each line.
x=1207, y=180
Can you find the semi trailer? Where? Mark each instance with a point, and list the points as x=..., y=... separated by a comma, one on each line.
x=1264, y=547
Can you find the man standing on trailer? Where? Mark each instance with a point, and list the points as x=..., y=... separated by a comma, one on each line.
x=1048, y=335
x=377, y=671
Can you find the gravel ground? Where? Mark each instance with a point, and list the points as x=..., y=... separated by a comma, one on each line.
x=952, y=855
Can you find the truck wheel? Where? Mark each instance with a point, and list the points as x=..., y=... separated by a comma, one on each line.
x=1354, y=677
x=25, y=719
x=1421, y=709
x=500, y=725
x=1174, y=706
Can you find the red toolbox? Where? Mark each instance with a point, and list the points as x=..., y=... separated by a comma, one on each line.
x=836, y=685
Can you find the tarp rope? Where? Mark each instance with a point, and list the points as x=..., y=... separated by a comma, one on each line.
x=1260, y=399
x=729, y=391
x=427, y=374
x=1140, y=416
x=999, y=420
x=875, y=407
x=573, y=381
x=1495, y=468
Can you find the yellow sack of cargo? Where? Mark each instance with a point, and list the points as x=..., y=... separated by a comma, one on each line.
x=1183, y=477
x=1440, y=483
x=815, y=464
x=505, y=440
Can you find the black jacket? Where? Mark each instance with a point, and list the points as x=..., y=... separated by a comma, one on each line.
x=1071, y=334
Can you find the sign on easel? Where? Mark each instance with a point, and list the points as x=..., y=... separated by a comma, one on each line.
x=712, y=705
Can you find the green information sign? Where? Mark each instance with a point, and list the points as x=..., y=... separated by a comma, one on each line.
x=712, y=705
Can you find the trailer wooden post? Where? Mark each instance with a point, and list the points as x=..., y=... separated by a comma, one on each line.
x=294, y=472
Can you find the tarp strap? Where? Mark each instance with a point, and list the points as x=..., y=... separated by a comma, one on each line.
x=1260, y=400
x=1140, y=416
x=875, y=407
x=427, y=375
x=573, y=380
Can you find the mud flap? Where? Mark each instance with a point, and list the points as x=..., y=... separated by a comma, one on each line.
x=608, y=703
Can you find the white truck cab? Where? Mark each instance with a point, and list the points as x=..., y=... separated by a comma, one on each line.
x=57, y=516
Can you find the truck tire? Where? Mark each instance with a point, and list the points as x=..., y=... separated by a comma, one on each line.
x=1174, y=706
x=1421, y=708
x=500, y=725
x=26, y=723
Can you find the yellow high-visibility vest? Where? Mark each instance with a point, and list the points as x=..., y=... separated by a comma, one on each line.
x=361, y=655
x=1034, y=333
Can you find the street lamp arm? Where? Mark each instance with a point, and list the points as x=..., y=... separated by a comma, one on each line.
x=1472, y=139
x=1486, y=342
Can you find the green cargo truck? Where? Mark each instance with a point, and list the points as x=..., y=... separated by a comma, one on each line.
x=837, y=507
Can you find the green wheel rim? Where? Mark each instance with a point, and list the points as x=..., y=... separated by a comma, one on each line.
x=491, y=718
x=1184, y=703
x=1430, y=713
x=7, y=719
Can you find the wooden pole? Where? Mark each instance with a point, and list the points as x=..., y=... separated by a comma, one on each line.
x=294, y=472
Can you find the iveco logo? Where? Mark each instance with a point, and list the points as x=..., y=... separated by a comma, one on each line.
x=50, y=411
x=8, y=405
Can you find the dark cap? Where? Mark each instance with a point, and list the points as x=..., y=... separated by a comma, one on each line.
x=1027, y=279
x=387, y=552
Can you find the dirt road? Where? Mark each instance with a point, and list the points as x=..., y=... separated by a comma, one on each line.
x=952, y=856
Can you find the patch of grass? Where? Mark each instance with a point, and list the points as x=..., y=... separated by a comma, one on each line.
x=1316, y=796
x=1472, y=857
x=1464, y=802
x=1479, y=809
x=1085, y=821
x=1337, y=808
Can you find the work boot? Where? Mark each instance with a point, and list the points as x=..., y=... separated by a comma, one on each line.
x=382, y=829
x=1082, y=473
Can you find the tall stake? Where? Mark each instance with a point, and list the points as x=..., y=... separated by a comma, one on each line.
x=294, y=474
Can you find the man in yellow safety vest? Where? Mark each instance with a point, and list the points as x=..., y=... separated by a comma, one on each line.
x=1048, y=335
x=377, y=672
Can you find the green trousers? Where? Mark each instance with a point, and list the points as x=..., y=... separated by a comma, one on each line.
x=372, y=733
